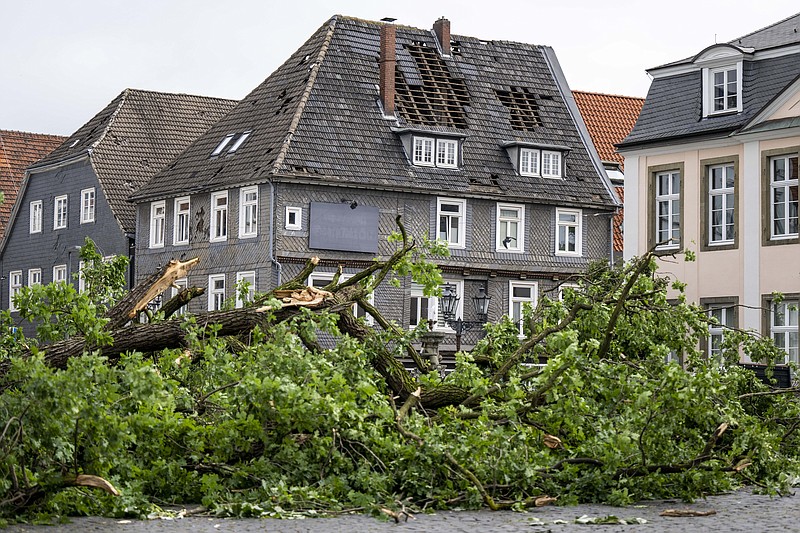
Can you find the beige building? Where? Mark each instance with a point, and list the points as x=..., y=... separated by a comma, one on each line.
x=711, y=166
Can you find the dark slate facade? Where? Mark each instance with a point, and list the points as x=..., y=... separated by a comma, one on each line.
x=114, y=153
x=317, y=141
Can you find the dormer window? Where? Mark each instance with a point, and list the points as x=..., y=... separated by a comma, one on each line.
x=224, y=143
x=722, y=90
x=538, y=162
x=445, y=150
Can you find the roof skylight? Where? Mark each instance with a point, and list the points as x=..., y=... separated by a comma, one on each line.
x=226, y=143
x=221, y=146
x=242, y=138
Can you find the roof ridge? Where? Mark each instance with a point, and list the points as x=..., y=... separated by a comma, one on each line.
x=168, y=93
x=111, y=119
x=732, y=41
x=613, y=95
x=301, y=105
x=33, y=133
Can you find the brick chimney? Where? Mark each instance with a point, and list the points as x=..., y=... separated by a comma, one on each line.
x=442, y=30
x=387, y=64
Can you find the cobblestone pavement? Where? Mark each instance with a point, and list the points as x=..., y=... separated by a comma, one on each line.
x=739, y=511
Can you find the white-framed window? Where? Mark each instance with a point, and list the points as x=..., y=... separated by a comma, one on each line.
x=446, y=153
x=424, y=308
x=36, y=216
x=248, y=277
x=321, y=279
x=242, y=138
x=721, y=205
x=510, y=228
x=429, y=152
x=451, y=221
x=551, y=164
x=219, y=216
x=294, y=218
x=783, y=197
x=59, y=273
x=520, y=294
x=569, y=224
x=60, y=212
x=723, y=89
x=14, y=286
x=423, y=151
x=564, y=287
x=216, y=292
x=723, y=320
x=87, y=205
x=222, y=144
x=177, y=286
x=34, y=276
x=158, y=213
x=180, y=231
x=528, y=162
x=81, y=280
x=784, y=328
x=668, y=209
x=248, y=212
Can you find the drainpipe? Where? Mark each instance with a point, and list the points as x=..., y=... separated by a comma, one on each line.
x=272, y=258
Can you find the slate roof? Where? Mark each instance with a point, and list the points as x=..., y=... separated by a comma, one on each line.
x=609, y=118
x=19, y=150
x=316, y=118
x=136, y=135
x=673, y=107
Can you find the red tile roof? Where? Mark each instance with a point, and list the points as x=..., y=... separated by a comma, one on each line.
x=609, y=118
x=19, y=150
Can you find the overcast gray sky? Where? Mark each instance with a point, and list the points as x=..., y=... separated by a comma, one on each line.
x=64, y=60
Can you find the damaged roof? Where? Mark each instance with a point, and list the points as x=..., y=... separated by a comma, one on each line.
x=135, y=136
x=19, y=150
x=317, y=119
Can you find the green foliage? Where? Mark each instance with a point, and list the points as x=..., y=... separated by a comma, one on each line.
x=264, y=426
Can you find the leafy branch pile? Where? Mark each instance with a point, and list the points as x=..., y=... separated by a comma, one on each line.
x=248, y=412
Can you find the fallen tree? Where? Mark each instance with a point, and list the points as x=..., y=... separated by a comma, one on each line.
x=244, y=411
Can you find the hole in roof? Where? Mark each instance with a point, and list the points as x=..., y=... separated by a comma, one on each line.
x=522, y=106
x=282, y=95
x=305, y=59
x=495, y=179
x=439, y=100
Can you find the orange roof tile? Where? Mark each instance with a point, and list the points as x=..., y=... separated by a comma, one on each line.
x=609, y=118
x=619, y=217
x=19, y=150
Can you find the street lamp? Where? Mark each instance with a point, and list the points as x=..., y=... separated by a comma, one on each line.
x=449, y=303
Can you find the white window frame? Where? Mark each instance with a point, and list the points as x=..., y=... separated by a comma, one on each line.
x=59, y=273
x=248, y=213
x=550, y=164
x=323, y=278
x=787, y=329
x=573, y=286
x=181, y=220
x=716, y=332
x=250, y=277
x=577, y=225
x=177, y=286
x=459, y=217
x=709, y=86
x=668, y=198
x=60, y=211
x=216, y=296
x=298, y=218
x=417, y=294
x=14, y=286
x=785, y=185
x=727, y=202
x=447, y=153
x=88, y=201
x=242, y=138
x=34, y=276
x=219, y=217
x=520, y=301
x=423, y=151
x=517, y=244
x=222, y=144
x=529, y=162
x=81, y=280
x=35, y=217
x=158, y=219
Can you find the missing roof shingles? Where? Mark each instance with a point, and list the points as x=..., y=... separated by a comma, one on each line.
x=522, y=108
x=441, y=98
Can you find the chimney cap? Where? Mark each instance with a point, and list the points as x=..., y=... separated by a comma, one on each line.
x=388, y=20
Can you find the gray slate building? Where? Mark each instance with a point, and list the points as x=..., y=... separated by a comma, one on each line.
x=478, y=143
x=81, y=188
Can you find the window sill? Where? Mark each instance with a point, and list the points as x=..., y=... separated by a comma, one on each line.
x=569, y=254
x=248, y=236
x=225, y=239
x=508, y=251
